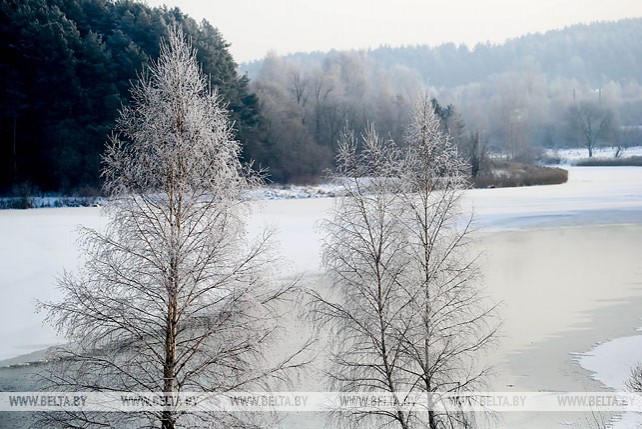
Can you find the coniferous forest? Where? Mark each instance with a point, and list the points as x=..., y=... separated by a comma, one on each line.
x=66, y=67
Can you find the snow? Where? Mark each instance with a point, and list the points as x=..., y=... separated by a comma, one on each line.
x=51, y=202
x=611, y=364
x=612, y=361
x=37, y=244
x=295, y=192
x=571, y=156
x=592, y=195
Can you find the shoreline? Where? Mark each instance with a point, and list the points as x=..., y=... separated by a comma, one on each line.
x=565, y=350
x=575, y=311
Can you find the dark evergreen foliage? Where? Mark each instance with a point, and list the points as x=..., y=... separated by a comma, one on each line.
x=66, y=67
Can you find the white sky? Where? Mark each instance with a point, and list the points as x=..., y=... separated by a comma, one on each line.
x=255, y=27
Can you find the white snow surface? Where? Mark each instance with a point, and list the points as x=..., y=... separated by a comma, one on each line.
x=603, y=195
x=612, y=361
x=37, y=245
x=611, y=364
x=572, y=155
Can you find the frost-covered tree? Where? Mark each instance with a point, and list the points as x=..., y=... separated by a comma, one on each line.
x=634, y=382
x=365, y=253
x=407, y=306
x=173, y=297
x=450, y=322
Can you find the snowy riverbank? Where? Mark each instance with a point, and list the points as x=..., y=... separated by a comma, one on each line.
x=573, y=155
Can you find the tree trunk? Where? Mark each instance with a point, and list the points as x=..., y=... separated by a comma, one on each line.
x=432, y=421
x=168, y=420
x=15, y=163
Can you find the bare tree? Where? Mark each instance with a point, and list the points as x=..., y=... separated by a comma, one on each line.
x=451, y=322
x=173, y=297
x=591, y=122
x=365, y=254
x=634, y=383
x=407, y=308
x=298, y=88
x=324, y=88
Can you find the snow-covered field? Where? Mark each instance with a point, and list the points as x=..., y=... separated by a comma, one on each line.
x=545, y=297
x=571, y=156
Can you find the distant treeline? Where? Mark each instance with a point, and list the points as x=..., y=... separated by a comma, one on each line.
x=594, y=53
x=543, y=90
x=66, y=67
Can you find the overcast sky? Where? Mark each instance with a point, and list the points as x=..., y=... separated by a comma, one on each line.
x=255, y=27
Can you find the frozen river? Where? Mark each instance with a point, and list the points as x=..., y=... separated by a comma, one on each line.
x=564, y=259
x=36, y=245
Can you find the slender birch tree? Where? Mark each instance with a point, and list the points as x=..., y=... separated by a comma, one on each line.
x=364, y=252
x=452, y=321
x=173, y=297
x=407, y=306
